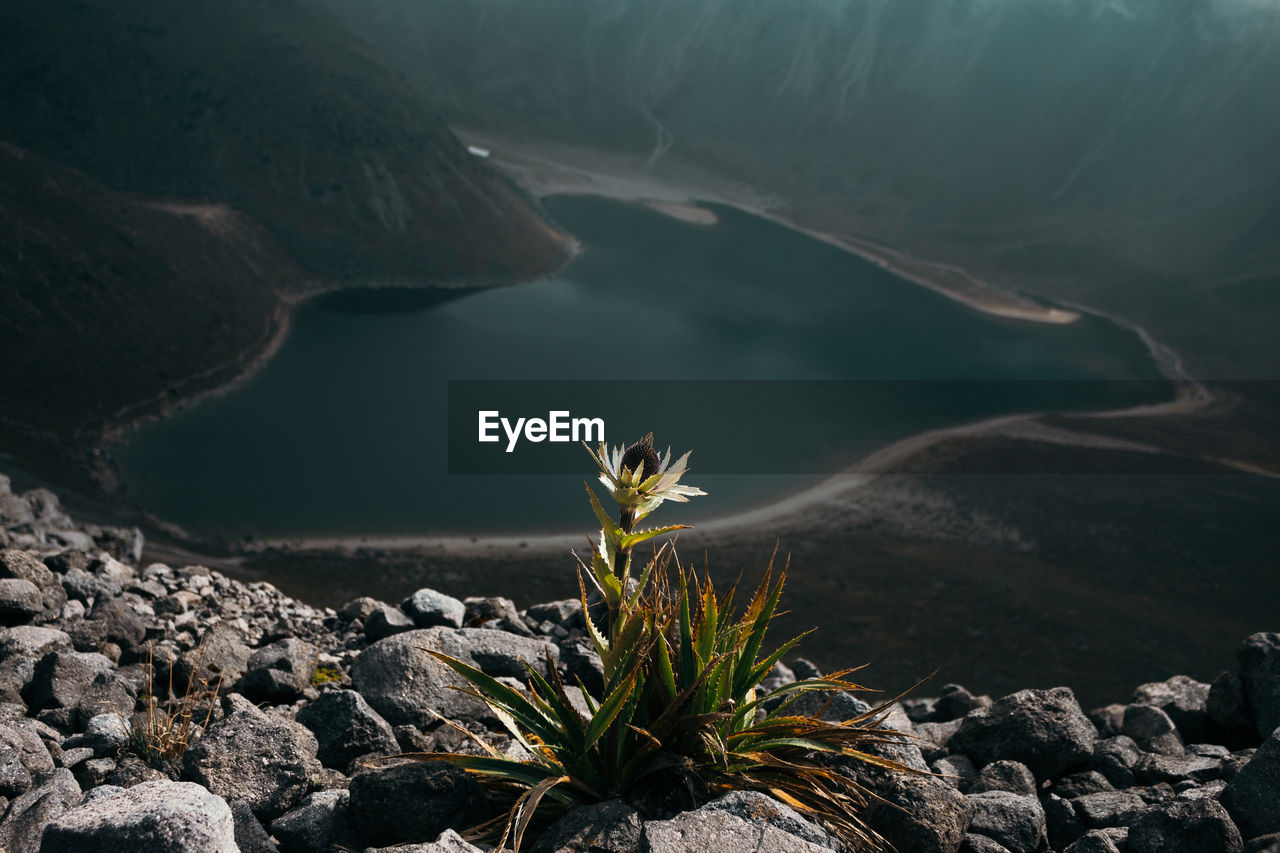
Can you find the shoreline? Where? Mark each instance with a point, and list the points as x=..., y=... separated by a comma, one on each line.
x=541, y=169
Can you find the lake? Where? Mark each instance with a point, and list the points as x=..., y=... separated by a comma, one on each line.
x=345, y=430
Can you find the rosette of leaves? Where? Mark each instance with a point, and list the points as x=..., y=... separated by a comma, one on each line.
x=682, y=708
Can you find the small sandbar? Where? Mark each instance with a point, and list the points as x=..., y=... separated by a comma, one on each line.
x=689, y=213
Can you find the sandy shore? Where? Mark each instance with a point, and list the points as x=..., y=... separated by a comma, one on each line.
x=545, y=169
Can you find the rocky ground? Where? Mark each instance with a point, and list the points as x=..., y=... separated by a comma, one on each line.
x=292, y=753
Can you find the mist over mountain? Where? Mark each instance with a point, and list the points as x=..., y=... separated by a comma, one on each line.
x=1116, y=153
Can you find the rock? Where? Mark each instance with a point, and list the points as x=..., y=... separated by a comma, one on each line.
x=583, y=664
x=123, y=626
x=159, y=817
x=959, y=768
x=567, y=613
x=404, y=684
x=494, y=612
x=955, y=702
x=755, y=807
x=359, y=608
x=1259, y=659
x=1152, y=730
x=1188, y=826
x=1253, y=794
x=428, y=608
x=347, y=728
x=251, y=836
x=1010, y=776
x=1184, y=699
x=414, y=802
x=703, y=830
x=1264, y=844
x=87, y=588
x=131, y=770
x=981, y=844
x=1108, y=719
x=107, y=693
x=60, y=679
x=1063, y=824
x=1016, y=822
x=311, y=826
x=1153, y=769
x=1227, y=709
x=608, y=827
x=935, y=737
x=281, y=671
x=221, y=657
x=1044, y=729
x=1109, y=808
x=448, y=842
x=263, y=759
x=919, y=813
x=1093, y=841
x=20, y=565
x=384, y=621
x=106, y=734
x=1079, y=784
x=28, y=814
x=20, y=601
x=1115, y=759
x=23, y=758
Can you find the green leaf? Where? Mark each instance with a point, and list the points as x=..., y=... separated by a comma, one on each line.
x=630, y=540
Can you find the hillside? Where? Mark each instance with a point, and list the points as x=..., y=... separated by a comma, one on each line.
x=272, y=108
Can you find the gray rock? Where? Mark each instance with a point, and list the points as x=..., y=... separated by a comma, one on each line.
x=23, y=757
x=1153, y=769
x=959, y=768
x=266, y=760
x=755, y=806
x=567, y=613
x=23, y=566
x=1017, y=822
x=1044, y=729
x=981, y=844
x=1253, y=794
x=20, y=600
x=1152, y=730
x=583, y=664
x=448, y=842
x=1259, y=659
x=703, y=830
x=28, y=814
x=222, y=656
x=1011, y=776
x=1109, y=808
x=1093, y=841
x=315, y=821
x=280, y=672
x=608, y=827
x=935, y=737
x=405, y=684
x=384, y=621
x=131, y=770
x=347, y=728
x=1115, y=759
x=494, y=612
x=955, y=702
x=159, y=817
x=123, y=626
x=1226, y=706
x=107, y=693
x=105, y=734
x=1108, y=720
x=1264, y=844
x=919, y=813
x=1079, y=784
x=1063, y=825
x=414, y=802
x=88, y=588
x=359, y=608
x=428, y=608
x=1188, y=826
x=251, y=836
x=60, y=679
x=1183, y=698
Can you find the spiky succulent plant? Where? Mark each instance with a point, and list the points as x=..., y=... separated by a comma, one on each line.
x=681, y=708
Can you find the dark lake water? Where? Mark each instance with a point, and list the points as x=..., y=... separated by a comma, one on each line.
x=344, y=431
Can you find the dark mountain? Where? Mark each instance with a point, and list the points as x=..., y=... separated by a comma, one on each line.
x=275, y=109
